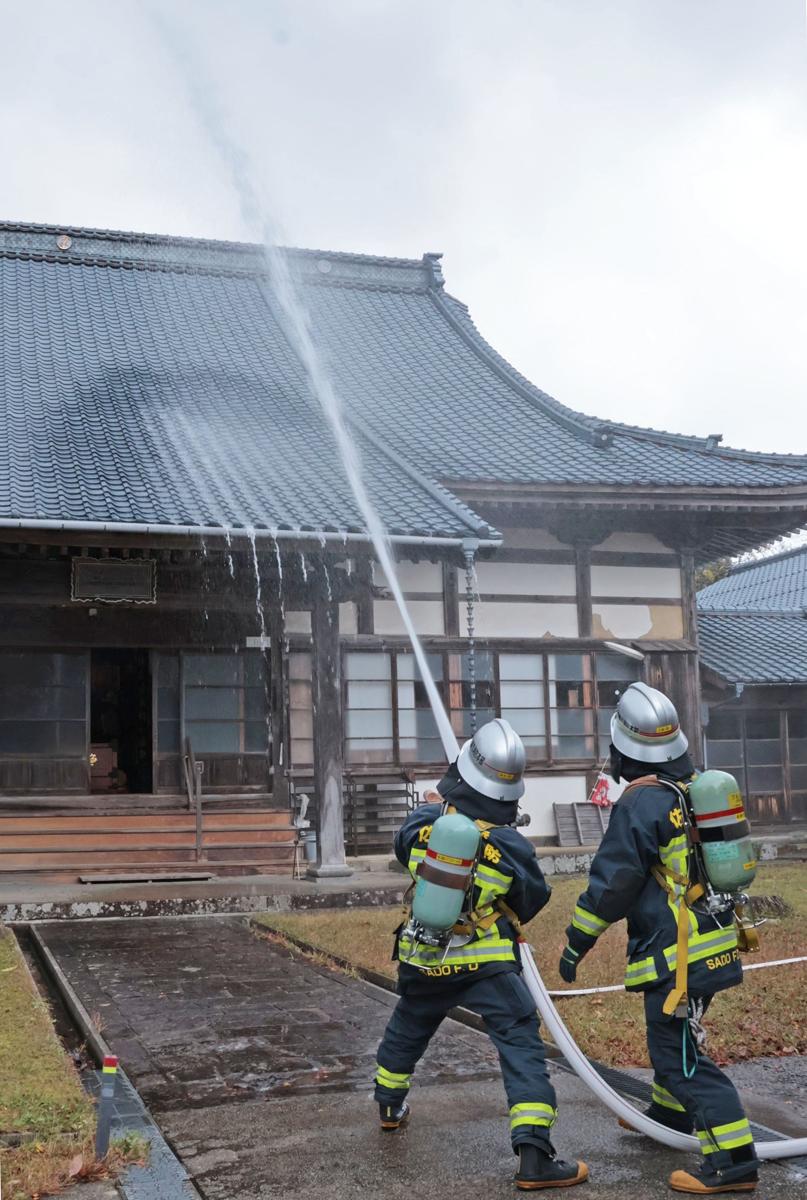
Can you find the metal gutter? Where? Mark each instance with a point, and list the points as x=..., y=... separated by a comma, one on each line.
x=224, y=531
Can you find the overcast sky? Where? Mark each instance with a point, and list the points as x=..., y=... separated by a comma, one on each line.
x=619, y=186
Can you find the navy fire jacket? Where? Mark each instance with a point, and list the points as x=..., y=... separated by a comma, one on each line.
x=647, y=828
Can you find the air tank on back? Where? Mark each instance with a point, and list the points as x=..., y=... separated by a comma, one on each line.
x=724, y=833
x=445, y=873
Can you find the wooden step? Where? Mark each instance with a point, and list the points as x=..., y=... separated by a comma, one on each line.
x=27, y=844
x=67, y=845
x=122, y=802
x=217, y=869
x=107, y=860
x=93, y=823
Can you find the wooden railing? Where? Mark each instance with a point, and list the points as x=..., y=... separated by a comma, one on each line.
x=375, y=807
x=194, y=770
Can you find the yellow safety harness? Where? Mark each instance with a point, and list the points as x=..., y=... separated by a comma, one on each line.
x=670, y=881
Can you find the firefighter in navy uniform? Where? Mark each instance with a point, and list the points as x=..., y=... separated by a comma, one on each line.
x=642, y=871
x=483, y=974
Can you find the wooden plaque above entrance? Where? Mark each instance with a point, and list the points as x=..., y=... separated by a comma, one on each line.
x=113, y=581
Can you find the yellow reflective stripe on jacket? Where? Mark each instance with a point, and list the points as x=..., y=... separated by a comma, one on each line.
x=588, y=923
x=491, y=884
x=725, y=1137
x=703, y=945
x=533, y=1113
x=641, y=971
x=700, y=946
x=393, y=1080
x=488, y=948
x=491, y=878
x=666, y=1099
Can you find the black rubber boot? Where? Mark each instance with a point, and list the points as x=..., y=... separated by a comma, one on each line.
x=681, y=1124
x=393, y=1116
x=740, y=1177
x=539, y=1169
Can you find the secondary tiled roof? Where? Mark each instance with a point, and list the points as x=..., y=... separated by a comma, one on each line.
x=775, y=584
x=752, y=624
x=754, y=648
x=148, y=379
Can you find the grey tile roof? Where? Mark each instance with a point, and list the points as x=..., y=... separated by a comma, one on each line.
x=775, y=584
x=754, y=648
x=147, y=379
x=173, y=397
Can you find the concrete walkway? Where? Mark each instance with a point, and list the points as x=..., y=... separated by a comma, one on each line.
x=257, y=1066
x=32, y=899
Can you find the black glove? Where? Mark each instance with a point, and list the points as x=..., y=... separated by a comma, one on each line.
x=568, y=965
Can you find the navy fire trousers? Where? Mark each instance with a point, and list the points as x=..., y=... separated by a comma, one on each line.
x=690, y=1092
x=508, y=1011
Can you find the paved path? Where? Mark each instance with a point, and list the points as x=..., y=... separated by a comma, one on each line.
x=257, y=1066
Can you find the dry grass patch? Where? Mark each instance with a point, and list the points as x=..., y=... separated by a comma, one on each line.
x=767, y=1015
x=42, y=1101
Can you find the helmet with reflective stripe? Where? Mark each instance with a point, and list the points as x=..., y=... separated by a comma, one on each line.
x=645, y=726
x=493, y=761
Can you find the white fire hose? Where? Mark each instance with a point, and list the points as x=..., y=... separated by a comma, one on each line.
x=789, y=1148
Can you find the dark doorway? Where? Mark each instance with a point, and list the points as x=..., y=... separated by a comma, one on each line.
x=120, y=721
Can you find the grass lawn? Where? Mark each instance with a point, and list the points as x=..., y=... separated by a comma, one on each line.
x=767, y=1015
x=41, y=1097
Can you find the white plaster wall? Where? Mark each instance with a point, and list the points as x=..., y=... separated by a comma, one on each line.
x=637, y=543
x=525, y=579
x=348, y=618
x=427, y=615
x=638, y=620
x=298, y=622
x=513, y=619
x=544, y=791
x=658, y=583
x=413, y=577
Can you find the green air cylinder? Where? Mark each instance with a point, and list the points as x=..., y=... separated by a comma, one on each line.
x=445, y=873
x=723, y=831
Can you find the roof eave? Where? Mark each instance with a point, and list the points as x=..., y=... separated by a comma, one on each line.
x=727, y=499
x=240, y=533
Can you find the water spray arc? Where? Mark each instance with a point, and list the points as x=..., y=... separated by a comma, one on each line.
x=297, y=327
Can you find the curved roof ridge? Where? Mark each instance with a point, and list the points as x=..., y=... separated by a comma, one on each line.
x=186, y=241
x=456, y=313
x=600, y=430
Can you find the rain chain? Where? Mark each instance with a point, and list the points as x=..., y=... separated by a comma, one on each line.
x=470, y=589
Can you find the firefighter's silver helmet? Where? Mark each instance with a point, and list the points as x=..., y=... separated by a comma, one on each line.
x=645, y=726
x=493, y=761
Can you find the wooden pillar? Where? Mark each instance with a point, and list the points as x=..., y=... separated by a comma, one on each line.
x=328, y=756
x=365, y=612
x=582, y=570
x=691, y=719
x=451, y=601
x=279, y=722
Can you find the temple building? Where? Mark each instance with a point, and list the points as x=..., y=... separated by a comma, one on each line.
x=189, y=602
x=753, y=643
